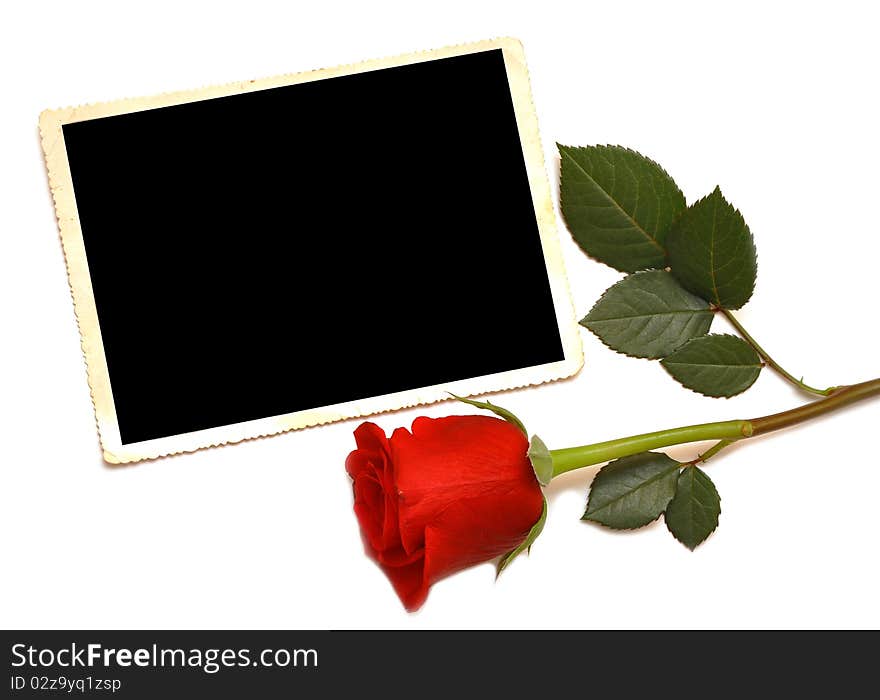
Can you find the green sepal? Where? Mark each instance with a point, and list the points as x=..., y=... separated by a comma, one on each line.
x=526, y=544
x=541, y=459
x=497, y=410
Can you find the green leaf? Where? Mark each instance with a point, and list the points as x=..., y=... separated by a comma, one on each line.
x=715, y=365
x=692, y=515
x=618, y=205
x=648, y=314
x=712, y=253
x=633, y=491
x=541, y=459
x=526, y=544
x=497, y=410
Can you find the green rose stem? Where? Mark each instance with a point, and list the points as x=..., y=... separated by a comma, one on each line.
x=726, y=432
x=799, y=383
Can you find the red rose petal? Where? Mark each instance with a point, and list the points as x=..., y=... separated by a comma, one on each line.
x=446, y=460
x=370, y=440
x=452, y=493
x=369, y=506
x=409, y=583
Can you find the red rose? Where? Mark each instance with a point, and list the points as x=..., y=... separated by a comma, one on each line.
x=455, y=492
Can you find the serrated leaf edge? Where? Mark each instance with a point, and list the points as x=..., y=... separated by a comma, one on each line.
x=712, y=531
x=564, y=151
x=584, y=517
x=652, y=358
x=760, y=367
x=715, y=302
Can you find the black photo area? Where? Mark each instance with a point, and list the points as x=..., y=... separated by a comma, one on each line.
x=301, y=246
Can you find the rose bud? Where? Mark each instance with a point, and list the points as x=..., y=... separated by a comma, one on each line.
x=454, y=492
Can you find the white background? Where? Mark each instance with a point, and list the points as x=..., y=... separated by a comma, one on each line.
x=775, y=102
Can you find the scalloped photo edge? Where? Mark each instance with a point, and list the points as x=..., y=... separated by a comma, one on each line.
x=60, y=183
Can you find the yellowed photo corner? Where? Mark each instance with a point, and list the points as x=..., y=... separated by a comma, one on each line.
x=60, y=183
